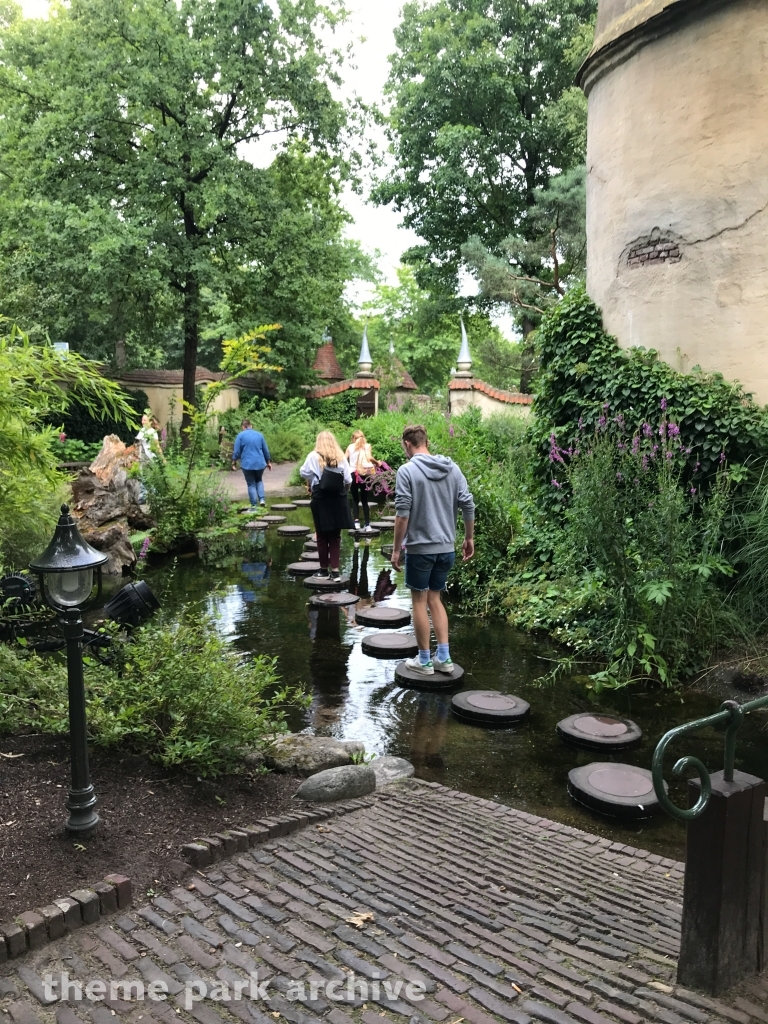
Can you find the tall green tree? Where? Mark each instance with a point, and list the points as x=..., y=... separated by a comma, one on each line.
x=133, y=120
x=484, y=112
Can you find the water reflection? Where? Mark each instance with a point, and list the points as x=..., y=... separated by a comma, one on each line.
x=263, y=609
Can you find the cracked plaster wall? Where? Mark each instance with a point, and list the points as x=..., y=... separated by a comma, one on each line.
x=678, y=149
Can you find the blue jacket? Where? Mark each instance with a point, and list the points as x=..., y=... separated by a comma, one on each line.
x=251, y=449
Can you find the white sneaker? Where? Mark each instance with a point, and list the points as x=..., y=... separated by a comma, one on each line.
x=369, y=528
x=443, y=666
x=415, y=666
x=357, y=524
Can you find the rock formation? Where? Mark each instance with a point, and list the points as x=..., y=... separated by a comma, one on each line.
x=106, y=503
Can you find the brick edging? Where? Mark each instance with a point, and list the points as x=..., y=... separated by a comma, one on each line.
x=36, y=928
x=208, y=850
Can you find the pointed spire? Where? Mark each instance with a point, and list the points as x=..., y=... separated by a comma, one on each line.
x=365, y=363
x=464, y=362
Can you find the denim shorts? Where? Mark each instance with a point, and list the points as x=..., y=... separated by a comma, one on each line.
x=428, y=572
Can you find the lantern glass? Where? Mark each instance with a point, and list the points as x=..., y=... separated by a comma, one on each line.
x=69, y=589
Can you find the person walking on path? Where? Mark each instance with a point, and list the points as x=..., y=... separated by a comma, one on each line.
x=363, y=466
x=328, y=477
x=251, y=449
x=429, y=492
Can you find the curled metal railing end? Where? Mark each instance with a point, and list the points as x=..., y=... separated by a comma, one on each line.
x=681, y=766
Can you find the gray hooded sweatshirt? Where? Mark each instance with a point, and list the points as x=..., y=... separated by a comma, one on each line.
x=429, y=492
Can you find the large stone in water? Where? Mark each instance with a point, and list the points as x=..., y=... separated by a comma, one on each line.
x=343, y=783
x=308, y=755
x=391, y=769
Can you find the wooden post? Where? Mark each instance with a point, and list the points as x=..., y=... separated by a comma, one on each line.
x=724, y=888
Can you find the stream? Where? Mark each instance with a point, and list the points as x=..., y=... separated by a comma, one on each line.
x=261, y=609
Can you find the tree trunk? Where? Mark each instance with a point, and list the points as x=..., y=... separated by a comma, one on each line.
x=191, y=341
x=527, y=358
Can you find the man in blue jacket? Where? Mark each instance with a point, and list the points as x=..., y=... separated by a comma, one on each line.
x=251, y=449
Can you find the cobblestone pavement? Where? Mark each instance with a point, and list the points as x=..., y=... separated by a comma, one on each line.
x=448, y=907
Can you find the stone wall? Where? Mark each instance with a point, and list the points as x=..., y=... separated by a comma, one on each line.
x=677, y=188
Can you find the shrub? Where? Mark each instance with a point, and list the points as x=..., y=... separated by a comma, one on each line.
x=185, y=503
x=91, y=427
x=177, y=693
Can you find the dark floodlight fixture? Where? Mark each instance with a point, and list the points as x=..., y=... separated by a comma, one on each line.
x=132, y=605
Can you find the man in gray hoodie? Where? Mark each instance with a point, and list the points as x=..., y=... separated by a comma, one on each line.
x=429, y=492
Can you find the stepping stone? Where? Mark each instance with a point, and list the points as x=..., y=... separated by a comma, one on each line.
x=489, y=708
x=337, y=598
x=390, y=645
x=310, y=545
x=288, y=506
x=303, y=568
x=387, y=549
x=302, y=502
x=384, y=616
x=621, y=790
x=309, y=556
x=386, y=519
x=599, y=732
x=256, y=524
x=293, y=531
x=323, y=583
x=364, y=533
x=411, y=680
x=383, y=524
x=273, y=519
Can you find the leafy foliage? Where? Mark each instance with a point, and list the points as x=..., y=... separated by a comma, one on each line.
x=125, y=135
x=176, y=693
x=36, y=383
x=586, y=377
x=484, y=112
x=79, y=424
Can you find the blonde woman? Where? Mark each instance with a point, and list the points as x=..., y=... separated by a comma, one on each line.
x=363, y=466
x=328, y=477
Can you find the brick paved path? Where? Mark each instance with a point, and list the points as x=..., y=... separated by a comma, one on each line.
x=503, y=916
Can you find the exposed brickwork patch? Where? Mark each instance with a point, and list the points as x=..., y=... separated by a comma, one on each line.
x=651, y=253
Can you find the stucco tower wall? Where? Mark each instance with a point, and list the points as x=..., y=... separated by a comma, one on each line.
x=677, y=184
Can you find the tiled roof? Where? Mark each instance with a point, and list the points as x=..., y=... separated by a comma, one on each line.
x=166, y=377
x=471, y=383
x=328, y=390
x=326, y=365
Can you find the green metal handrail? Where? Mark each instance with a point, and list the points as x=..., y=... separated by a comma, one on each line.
x=731, y=713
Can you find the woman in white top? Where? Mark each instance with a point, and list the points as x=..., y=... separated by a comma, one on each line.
x=363, y=466
x=328, y=477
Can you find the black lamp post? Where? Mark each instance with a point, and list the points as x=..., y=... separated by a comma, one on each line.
x=66, y=569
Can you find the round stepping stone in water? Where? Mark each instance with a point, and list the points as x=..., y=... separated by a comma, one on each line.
x=310, y=545
x=621, y=790
x=370, y=534
x=387, y=549
x=333, y=600
x=489, y=707
x=383, y=524
x=326, y=583
x=273, y=519
x=288, y=506
x=387, y=519
x=385, y=617
x=293, y=531
x=256, y=524
x=303, y=568
x=390, y=645
x=302, y=502
x=437, y=681
x=309, y=556
x=599, y=732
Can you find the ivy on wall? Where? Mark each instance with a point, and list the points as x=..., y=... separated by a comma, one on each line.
x=585, y=376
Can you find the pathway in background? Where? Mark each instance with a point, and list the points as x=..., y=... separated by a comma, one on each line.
x=507, y=918
x=275, y=482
